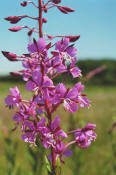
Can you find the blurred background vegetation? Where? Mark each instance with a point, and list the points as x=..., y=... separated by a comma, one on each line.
x=18, y=158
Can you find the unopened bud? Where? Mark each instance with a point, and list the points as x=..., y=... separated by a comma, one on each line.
x=62, y=9
x=45, y=9
x=50, y=36
x=16, y=74
x=30, y=33
x=48, y=46
x=54, y=53
x=44, y=20
x=14, y=19
x=56, y=1
x=10, y=56
x=16, y=28
x=68, y=9
x=73, y=38
x=24, y=3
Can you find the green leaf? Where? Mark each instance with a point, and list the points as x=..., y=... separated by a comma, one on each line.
x=48, y=164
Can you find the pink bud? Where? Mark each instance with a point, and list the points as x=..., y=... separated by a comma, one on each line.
x=16, y=74
x=50, y=36
x=56, y=1
x=26, y=55
x=24, y=3
x=68, y=9
x=30, y=33
x=45, y=9
x=54, y=53
x=10, y=56
x=48, y=46
x=65, y=9
x=73, y=38
x=62, y=9
x=16, y=28
x=44, y=20
x=14, y=19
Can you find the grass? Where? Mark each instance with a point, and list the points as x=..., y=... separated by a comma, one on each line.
x=99, y=158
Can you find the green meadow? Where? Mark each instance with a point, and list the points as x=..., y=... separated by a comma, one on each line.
x=17, y=158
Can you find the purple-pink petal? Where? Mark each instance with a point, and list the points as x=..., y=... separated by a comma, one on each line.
x=79, y=87
x=30, y=85
x=61, y=89
x=72, y=94
x=62, y=44
x=85, y=136
x=72, y=51
x=41, y=123
x=41, y=44
x=55, y=123
x=67, y=153
x=76, y=72
x=61, y=133
x=17, y=117
x=37, y=77
x=70, y=106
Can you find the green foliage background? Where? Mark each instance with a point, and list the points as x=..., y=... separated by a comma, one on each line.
x=106, y=77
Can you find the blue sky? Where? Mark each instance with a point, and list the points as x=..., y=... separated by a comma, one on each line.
x=94, y=20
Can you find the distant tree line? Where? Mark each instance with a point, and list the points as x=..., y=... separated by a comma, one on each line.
x=105, y=77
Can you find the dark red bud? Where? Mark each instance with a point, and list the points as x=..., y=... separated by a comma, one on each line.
x=26, y=55
x=35, y=42
x=50, y=36
x=48, y=46
x=10, y=56
x=30, y=33
x=44, y=20
x=16, y=28
x=68, y=9
x=16, y=74
x=56, y=1
x=24, y=3
x=62, y=10
x=14, y=19
x=73, y=38
x=45, y=9
x=54, y=53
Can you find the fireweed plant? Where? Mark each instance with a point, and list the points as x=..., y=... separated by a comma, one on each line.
x=44, y=62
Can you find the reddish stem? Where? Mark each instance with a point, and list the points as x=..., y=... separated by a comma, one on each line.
x=49, y=116
x=40, y=18
x=48, y=112
x=53, y=161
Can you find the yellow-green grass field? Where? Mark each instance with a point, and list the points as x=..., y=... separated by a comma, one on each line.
x=99, y=159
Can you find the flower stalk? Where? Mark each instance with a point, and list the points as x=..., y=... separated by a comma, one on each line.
x=44, y=62
x=40, y=18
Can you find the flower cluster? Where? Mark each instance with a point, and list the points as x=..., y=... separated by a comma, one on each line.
x=42, y=65
x=39, y=73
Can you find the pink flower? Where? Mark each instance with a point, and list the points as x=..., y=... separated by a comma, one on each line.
x=85, y=136
x=41, y=44
x=15, y=98
x=71, y=97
